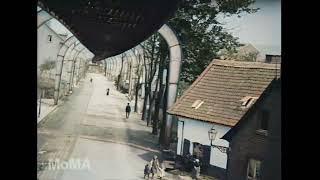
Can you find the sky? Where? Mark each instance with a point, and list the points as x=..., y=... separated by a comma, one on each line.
x=262, y=29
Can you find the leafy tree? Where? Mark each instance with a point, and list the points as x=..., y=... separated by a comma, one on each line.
x=47, y=66
x=201, y=35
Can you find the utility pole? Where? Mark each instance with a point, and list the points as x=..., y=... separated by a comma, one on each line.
x=40, y=103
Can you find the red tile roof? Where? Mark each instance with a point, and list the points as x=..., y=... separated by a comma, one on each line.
x=221, y=86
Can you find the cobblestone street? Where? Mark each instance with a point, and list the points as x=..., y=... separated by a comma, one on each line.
x=91, y=125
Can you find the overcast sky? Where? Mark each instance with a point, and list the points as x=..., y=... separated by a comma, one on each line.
x=262, y=29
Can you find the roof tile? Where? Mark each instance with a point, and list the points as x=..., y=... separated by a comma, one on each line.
x=221, y=86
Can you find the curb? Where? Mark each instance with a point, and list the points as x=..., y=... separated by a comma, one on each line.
x=119, y=142
x=56, y=106
x=38, y=121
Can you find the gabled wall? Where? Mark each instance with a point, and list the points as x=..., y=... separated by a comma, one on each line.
x=47, y=50
x=197, y=131
x=249, y=143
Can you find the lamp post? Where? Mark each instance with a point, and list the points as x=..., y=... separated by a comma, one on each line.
x=212, y=136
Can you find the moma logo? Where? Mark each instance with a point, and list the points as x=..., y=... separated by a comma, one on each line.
x=73, y=164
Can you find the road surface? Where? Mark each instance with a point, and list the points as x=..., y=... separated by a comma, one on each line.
x=91, y=127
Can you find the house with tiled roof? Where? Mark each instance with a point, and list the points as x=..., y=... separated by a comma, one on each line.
x=255, y=141
x=217, y=100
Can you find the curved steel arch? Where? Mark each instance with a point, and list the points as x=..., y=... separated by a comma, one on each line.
x=60, y=57
x=174, y=71
x=113, y=67
x=80, y=66
x=74, y=66
x=73, y=53
x=130, y=66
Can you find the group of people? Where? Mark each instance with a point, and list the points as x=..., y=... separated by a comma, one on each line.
x=153, y=168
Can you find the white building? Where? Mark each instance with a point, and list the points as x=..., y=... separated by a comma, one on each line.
x=218, y=99
x=49, y=44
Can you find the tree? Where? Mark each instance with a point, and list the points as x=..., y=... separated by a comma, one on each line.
x=251, y=56
x=138, y=73
x=44, y=82
x=163, y=63
x=151, y=56
x=47, y=66
x=119, y=75
x=105, y=67
x=201, y=35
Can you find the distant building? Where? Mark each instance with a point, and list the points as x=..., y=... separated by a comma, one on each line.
x=247, y=52
x=219, y=98
x=273, y=59
x=255, y=140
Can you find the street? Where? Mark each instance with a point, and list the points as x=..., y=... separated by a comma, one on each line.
x=92, y=126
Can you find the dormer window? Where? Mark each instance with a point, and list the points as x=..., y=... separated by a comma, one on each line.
x=197, y=104
x=247, y=101
x=263, y=122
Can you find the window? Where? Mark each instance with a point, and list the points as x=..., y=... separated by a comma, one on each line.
x=197, y=150
x=254, y=170
x=49, y=38
x=264, y=120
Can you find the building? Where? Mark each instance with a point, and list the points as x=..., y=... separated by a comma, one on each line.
x=246, y=52
x=273, y=59
x=49, y=44
x=255, y=141
x=218, y=99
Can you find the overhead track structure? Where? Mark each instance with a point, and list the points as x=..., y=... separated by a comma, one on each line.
x=110, y=27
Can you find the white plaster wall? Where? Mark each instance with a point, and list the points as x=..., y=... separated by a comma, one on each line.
x=47, y=50
x=197, y=131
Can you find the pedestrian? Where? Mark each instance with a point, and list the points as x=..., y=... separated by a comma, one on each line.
x=154, y=166
x=128, y=110
x=108, y=91
x=146, y=171
x=196, y=170
x=91, y=80
x=161, y=171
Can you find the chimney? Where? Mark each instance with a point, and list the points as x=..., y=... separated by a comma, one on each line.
x=273, y=59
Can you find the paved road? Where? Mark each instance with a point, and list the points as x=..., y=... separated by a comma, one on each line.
x=91, y=126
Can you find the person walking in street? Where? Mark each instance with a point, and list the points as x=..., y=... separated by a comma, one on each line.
x=146, y=171
x=196, y=170
x=108, y=91
x=154, y=166
x=91, y=80
x=161, y=171
x=128, y=110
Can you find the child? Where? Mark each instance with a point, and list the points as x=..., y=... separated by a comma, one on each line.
x=146, y=171
x=161, y=172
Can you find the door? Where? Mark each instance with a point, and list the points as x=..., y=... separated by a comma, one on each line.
x=186, y=147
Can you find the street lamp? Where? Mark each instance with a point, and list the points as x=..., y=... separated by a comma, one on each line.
x=212, y=136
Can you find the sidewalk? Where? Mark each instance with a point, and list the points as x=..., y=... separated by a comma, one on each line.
x=47, y=106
